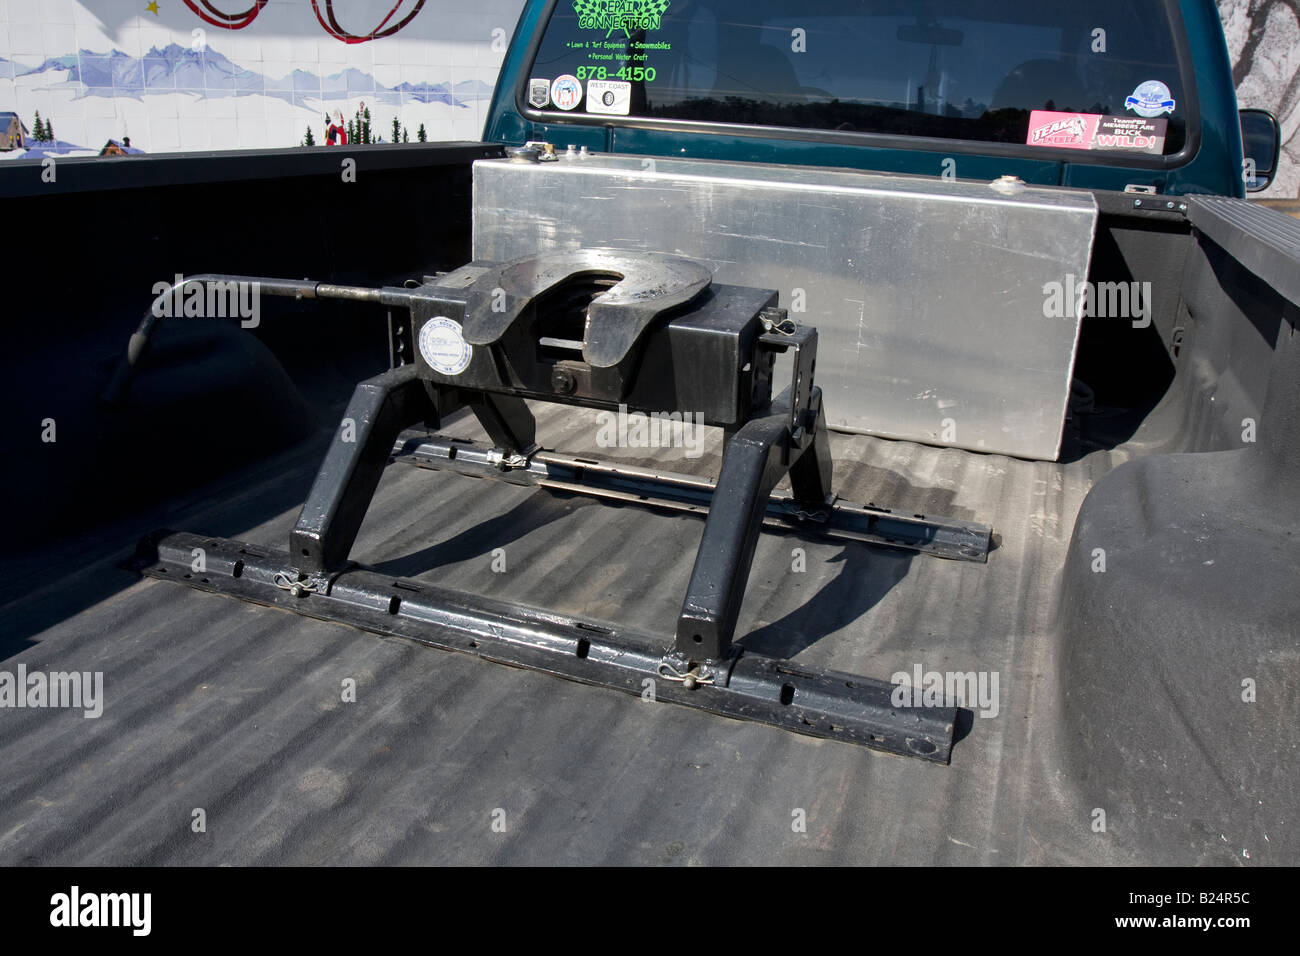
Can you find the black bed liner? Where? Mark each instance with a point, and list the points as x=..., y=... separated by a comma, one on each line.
x=1119, y=692
x=216, y=705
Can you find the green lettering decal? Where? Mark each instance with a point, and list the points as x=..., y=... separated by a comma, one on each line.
x=625, y=15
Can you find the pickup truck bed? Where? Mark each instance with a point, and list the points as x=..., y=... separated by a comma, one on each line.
x=216, y=704
x=1119, y=691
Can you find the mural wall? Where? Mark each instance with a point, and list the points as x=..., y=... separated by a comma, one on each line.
x=1264, y=42
x=166, y=75
x=173, y=75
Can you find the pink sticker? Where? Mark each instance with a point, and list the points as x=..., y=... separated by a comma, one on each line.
x=1094, y=131
x=1062, y=130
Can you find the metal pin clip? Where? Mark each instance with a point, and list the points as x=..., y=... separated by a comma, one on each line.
x=690, y=680
x=777, y=320
x=506, y=461
x=296, y=588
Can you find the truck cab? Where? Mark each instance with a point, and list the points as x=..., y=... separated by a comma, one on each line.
x=1106, y=96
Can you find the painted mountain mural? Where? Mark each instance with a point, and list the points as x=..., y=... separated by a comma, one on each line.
x=177, y=69
x=162, y=77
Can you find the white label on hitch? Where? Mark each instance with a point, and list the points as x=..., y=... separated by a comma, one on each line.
x=444, y=347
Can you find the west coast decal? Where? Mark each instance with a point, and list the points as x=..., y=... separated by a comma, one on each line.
x=1093, y=131
x=1151, y=98
x=609, y=96
x=566, y=92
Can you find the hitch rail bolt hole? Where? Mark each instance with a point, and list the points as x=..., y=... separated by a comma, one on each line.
x=787, y=694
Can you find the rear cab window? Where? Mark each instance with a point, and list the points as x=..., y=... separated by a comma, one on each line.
x=1040, y=75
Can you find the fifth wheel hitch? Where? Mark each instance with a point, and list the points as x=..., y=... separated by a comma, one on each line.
x=615, y=331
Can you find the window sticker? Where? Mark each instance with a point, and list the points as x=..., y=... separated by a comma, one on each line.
x=566, y=92
x=1092, y=131
x=1062, y=130
x=626, y=16
x=618, y=40
x=1151, y=98
x=539, y=94
x=609, y=96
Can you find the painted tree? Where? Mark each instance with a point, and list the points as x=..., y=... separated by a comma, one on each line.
x=310, y=140
x=397, y=130
x=406, y=135
x=421, y=135
x=49, y=131
x=365, y=136
x=38, y=128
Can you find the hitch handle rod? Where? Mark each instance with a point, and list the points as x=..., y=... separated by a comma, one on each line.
x=138, y=345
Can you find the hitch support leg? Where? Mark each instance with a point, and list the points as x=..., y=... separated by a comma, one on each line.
x=380, y=409
x=756, y=459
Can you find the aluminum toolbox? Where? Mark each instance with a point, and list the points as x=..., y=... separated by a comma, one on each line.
x=928, y=295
